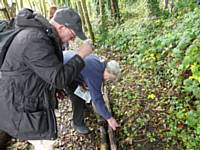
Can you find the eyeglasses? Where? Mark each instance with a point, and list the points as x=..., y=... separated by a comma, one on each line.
x=72, y=33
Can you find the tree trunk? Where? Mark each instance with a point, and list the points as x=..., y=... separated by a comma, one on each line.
x=172, y=6
x=44, y=8
x=115, y=10
x=101, y=8
x=13, y=10
x=52, y=2
x=6, y=10
x=34, y=7
x=66, y=3
x=113, y=145
x=41, y=8
x=21, y=4
x=57, y=2
x=153, y=7
x=69, y=3
x=97, y=7
x=30, y=4
x=89, y=27
x=5, y=13
x=102, y=12
x=73, y=5
x=9, y=11
x=166, y=4
x=17, y=4
x=80, y=9
x=103, y=27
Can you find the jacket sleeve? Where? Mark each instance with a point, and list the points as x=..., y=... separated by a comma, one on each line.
x=101, y=107
x=40, y=57
x=94, y=86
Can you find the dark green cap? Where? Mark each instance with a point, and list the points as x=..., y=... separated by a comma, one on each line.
x=70, y=19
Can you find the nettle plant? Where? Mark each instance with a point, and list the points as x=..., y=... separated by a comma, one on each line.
x=185, y=111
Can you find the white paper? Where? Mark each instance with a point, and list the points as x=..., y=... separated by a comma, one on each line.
x=83, y=93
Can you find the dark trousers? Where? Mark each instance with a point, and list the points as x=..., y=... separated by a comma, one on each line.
x=4, y=139
x=78, y=106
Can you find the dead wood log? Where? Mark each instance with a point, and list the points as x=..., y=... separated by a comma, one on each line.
x=104, y=144
x=103, y=127
x=113, y=145
x=103, y=135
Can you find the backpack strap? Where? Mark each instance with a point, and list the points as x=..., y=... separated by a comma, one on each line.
x=3, y=25
x=6, y=39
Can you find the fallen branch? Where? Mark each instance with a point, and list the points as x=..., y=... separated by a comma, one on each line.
x=103, y=134
x=104, y=145
x=113, y=145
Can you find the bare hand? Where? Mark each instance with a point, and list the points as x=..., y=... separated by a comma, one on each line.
x=60, y=95
x=85, y=49
x=112, y=123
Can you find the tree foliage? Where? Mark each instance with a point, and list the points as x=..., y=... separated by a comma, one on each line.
x=157, y=101
x=160, y=78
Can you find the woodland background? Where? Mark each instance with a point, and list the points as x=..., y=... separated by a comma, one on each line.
x=157, y=42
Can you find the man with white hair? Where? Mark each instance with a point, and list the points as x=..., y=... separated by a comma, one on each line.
x=96, y=71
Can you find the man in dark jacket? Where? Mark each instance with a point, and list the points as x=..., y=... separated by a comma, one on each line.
x=33, y=70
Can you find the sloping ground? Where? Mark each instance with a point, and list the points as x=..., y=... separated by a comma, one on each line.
x=141, y=109
x=157, y=99
x=140, y=102
x=147, y=102
x=68, y=138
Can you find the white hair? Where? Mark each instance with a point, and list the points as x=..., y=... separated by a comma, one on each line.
x=113, y=68
x=52, y=21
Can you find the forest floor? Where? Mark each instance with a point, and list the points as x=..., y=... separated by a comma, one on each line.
x=136, y=113
x=68, y=138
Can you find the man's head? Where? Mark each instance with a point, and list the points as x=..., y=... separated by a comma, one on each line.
x=112, y=71
x=68, y=24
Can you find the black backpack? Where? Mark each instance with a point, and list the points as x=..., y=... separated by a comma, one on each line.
x=7, y=34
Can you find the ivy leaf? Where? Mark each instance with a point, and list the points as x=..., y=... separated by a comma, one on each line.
x=151, y=96
x=180, y=115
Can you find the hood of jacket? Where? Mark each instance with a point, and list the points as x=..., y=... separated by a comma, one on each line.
x=28, y=18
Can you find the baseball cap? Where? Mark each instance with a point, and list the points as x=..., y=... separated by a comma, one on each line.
x=71, y=19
